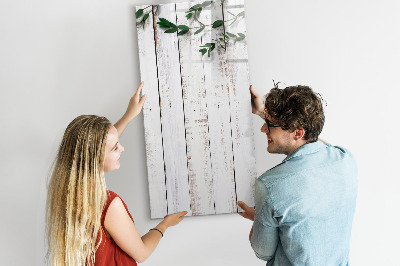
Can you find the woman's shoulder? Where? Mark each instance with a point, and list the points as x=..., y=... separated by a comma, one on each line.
x=116, y=203
x=111, y=195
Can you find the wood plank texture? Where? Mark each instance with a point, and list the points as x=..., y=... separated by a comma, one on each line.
x=241, y=120
x=172, y=115
x=219, y=120
x=152, y=122
x=197, y=116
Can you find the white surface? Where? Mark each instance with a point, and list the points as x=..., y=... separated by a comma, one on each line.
x=152, y=120
x=205, y=110
x=60, y=59
x=172, y=117
x=196, y=123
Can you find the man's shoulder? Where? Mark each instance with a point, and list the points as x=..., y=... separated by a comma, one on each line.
x=275, y=174
x=294, y=166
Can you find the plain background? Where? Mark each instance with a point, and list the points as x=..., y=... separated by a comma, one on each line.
x=60, y=59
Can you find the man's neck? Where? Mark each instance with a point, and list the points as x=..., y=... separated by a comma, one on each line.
x=297, y=145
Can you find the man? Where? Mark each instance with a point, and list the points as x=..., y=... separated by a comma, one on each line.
x=304, y=206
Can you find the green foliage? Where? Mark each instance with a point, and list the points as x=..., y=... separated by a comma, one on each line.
x=172, y=30
x=236, y=17
x=208, y=48
x=165, y=23
x=145, y=17
x=200, y=30
x=203, y=51
x=188, y=16
x=139, y=14
x=171, y=27
x=217, y=23
x=206, y=3
x=183, y=32
x=194, y=13
x=241, y=37
x=222, y=41
x=183, y=27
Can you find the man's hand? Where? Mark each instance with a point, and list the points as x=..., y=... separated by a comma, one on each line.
x=248, y=211
x=257, y=105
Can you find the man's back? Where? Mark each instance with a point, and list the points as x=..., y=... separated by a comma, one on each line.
x=305, y=208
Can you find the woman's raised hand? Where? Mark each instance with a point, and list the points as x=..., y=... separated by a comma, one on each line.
x=257, y=105
x=135, y=105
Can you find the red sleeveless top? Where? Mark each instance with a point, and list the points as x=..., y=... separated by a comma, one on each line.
x=108, y=253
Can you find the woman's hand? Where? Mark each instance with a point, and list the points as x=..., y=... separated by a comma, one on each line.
x=171, y=220
x=174, y=219
x=135, y=106
x=257, y=105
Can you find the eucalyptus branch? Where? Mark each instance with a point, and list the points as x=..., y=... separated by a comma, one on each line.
x=171, y=27
x=209, y=47
x=140, y=12
x=216, y=24
x=194, y=13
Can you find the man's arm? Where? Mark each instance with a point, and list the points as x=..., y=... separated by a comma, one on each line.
x=264, y=236
x=248, y=214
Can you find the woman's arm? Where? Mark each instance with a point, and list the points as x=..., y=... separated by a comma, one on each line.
x=122, y=229
x=134, y=108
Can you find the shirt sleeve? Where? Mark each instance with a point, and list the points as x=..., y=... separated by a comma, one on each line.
x=264, y=239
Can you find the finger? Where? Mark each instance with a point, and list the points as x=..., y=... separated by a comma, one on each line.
x=139, y=89
x=243, y=205
x=243, y=214
x=180, y=214
x=253, y=92
x=141, y=102
x=183, y=213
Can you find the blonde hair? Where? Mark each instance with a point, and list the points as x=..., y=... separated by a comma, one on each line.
x=77, y=193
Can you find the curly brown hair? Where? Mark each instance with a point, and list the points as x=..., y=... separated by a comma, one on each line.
x=297, y=107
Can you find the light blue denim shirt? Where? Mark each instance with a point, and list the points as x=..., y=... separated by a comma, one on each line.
x=305, y=207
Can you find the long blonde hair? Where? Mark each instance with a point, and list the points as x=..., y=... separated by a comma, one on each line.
x=77, y=193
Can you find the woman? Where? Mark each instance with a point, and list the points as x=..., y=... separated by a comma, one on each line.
x=87, y=224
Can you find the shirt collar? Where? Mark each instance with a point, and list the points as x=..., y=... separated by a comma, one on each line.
x=306, y=149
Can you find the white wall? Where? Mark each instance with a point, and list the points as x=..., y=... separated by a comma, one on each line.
x=59, y=59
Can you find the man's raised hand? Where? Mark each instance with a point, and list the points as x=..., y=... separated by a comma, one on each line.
x=257, y=105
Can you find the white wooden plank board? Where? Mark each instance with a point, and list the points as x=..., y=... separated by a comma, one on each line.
x=172, y=116
x=196, y=116
x=200, y=151
x=152, y=122
x=219, y=121
x=239, y=82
